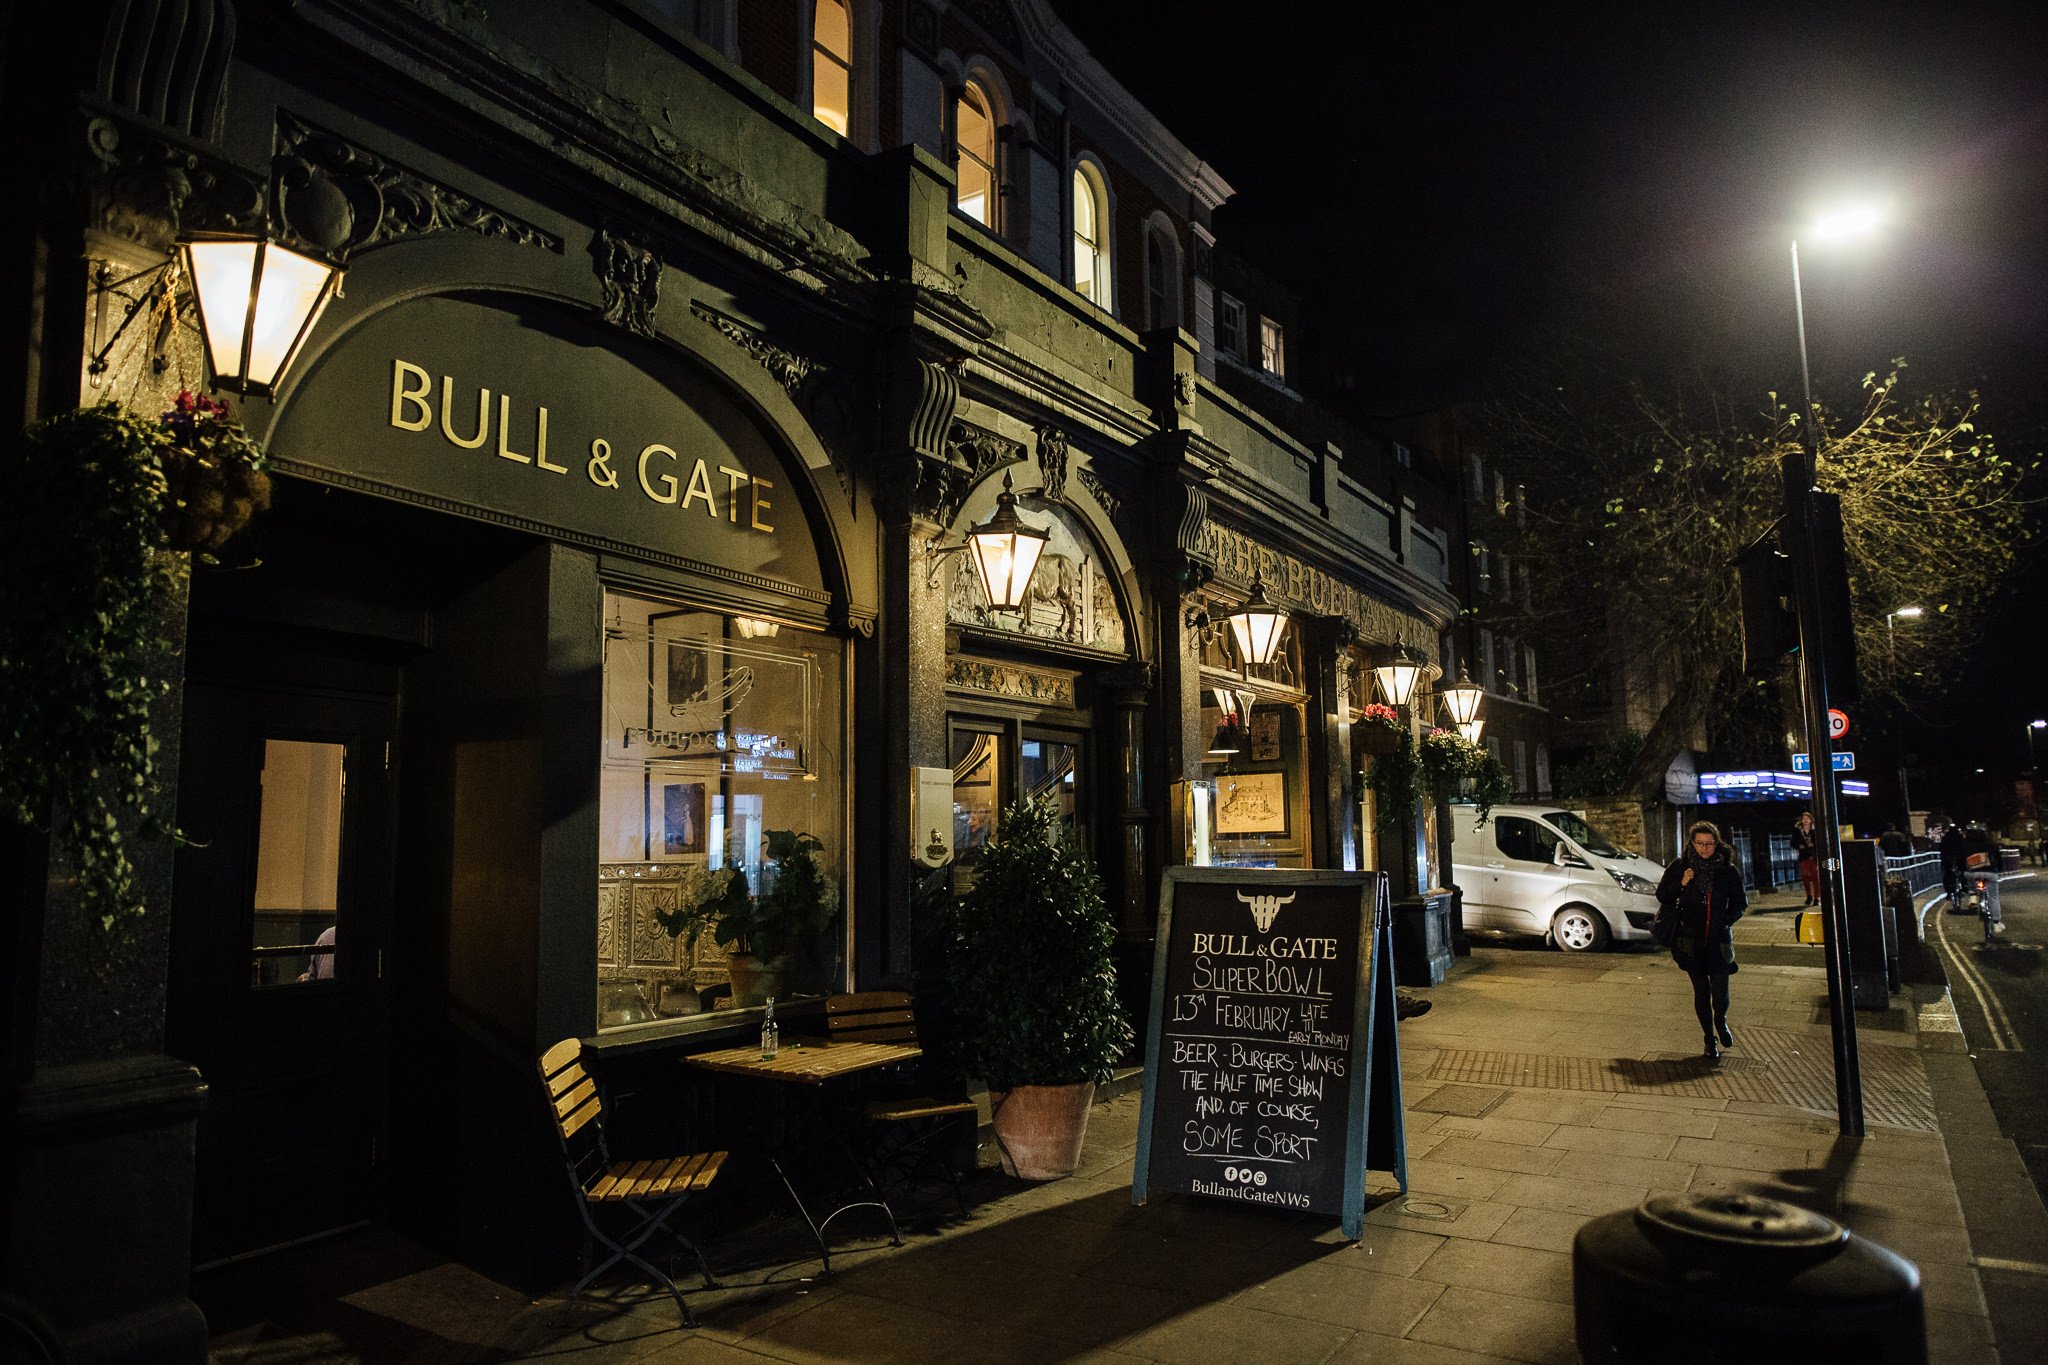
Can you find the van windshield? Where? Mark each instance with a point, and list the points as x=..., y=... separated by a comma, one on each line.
x=1583, y=834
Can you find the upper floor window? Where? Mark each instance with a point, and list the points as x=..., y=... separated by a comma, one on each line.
x=1272, y=349
x=1162, y=274
x=975, y=132
x=1091, y=237
x=832, y=65
x=1230, y=326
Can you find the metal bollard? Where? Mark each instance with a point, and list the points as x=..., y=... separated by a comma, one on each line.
x=1688, y=1279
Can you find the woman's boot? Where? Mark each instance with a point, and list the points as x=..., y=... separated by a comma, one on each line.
x=1721, y=1028
x=1712, y=1050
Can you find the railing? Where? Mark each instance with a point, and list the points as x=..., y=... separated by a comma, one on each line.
x=1922, y=871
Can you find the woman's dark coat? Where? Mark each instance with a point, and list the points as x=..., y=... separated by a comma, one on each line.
x=1706, y=912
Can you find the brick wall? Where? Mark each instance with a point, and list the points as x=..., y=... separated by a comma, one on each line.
x=769, y=30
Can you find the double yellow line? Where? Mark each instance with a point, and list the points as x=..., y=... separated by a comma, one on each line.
x=2003, y=1036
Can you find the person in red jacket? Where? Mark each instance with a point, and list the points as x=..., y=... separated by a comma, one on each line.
x=1698, y=902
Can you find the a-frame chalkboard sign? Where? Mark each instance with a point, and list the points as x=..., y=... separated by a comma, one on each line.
x=1272, y=1068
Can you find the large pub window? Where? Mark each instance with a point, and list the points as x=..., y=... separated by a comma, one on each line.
x=723, y=736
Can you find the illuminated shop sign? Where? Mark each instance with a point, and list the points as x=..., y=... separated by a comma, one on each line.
x=1767, y=785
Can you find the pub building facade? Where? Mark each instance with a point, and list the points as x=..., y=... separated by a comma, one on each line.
x=617, y=490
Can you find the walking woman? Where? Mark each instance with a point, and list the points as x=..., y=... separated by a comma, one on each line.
x=1806, y=844
x=1699, y=900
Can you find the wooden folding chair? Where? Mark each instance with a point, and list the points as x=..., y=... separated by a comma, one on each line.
x=654, y=1191
x=917, y=1125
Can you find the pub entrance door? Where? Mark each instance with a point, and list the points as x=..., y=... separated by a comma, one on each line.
x=280, y=925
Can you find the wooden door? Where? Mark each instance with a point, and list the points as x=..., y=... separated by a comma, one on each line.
x=280, y=929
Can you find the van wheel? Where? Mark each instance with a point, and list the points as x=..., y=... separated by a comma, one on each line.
x=1577, y=929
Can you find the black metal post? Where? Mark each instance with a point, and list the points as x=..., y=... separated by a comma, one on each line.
x=1800, y=470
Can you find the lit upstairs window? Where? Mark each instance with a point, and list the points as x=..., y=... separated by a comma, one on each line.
x=832, y=65
x=1272, y=349
x=976, y=163
x=1091, y=253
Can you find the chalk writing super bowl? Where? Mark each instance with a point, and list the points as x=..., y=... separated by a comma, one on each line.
x=1259, y=1081
x=1258, y=1042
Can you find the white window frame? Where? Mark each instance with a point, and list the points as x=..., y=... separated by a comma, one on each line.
x=978, y=83
x=1161, y=232
x=1230, y=325
x=1273, y=357
x=1088, y=173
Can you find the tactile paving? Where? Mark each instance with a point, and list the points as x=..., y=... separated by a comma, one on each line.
x=1776, y=1068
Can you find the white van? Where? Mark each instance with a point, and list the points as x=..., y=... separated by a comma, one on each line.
x=1543, y=870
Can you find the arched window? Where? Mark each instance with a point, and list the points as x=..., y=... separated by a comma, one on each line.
x=975, y=132
x=1157, y=304
x=1162, y=273
x=832, y=65
x=1091, y=237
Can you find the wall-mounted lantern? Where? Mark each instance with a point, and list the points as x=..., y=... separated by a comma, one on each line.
x=258, y=302
x=1004, y=550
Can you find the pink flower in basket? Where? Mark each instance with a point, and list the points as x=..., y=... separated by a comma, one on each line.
x=1379, y=713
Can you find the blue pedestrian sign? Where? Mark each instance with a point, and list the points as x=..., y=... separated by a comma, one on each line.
x=1844, y=762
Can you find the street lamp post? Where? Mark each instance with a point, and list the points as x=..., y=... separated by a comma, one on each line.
x=1891, y=635
x=1800, y=470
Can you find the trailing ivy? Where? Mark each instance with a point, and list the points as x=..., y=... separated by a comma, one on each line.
x=89, y=572
x=1396, y=779
x=86, y=581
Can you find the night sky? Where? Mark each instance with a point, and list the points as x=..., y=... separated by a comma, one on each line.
x=1439, y=179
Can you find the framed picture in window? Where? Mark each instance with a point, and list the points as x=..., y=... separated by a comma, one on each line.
x=1265, y=737
x=1251, y=803
x=681, y=810
x=687, y=685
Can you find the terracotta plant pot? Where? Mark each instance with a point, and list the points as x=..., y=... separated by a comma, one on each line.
x=1039, y=1128
x=753, y=980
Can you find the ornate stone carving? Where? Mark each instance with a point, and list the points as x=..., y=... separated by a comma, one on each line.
x=629, y=273
x=982, y=452
x=1101, y=492
x=1052, y=462
x=1184, y=388
x=147, y=187
x=1072, y=599
x=790, y=370
x=336, y=196
x=995, y=19
x=1004, y=680
x=1311, y=591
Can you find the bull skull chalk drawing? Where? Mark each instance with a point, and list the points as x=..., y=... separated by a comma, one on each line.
x=1266, y=908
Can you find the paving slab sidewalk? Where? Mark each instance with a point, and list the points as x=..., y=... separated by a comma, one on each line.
x=1541, y=1090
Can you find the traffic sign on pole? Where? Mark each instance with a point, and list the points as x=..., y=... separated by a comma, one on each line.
x=1844, y=762
x=1838, y=723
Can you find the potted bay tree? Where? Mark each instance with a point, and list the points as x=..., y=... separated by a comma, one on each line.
x=1031, y=975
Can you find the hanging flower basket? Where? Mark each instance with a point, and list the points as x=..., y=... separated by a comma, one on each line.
x=214, y=476
x=1377, y=730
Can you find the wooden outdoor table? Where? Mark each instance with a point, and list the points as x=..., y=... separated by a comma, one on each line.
x=812, y=1063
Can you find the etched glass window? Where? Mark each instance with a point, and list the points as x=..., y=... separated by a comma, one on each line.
x=721, y=842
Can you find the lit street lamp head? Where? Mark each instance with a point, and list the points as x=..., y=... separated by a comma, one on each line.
x=1847, y=223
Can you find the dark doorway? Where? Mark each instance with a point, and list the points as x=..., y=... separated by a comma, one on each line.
x=282, y=917
x=288, y=952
